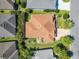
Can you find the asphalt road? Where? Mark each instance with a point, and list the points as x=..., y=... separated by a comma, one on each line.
x=75, y=30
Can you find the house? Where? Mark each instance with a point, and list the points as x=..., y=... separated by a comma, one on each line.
x=42, y=4
x=42, y=27
x=7, y=4
x=44, y=54
x=7, y=25
x=8, y=50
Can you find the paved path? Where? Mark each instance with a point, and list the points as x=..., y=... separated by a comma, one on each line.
x=63, y=6
x=75, y=30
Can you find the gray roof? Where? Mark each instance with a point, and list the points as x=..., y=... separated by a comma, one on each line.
x=44, y=54
x=7, y=4
x=8, y=50
x=42, y=4
x=7, y=25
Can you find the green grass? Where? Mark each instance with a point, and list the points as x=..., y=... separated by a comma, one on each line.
x=5, y=11
x=39, y=12
x=8, y=39
x=66, y=0
x=36, y=45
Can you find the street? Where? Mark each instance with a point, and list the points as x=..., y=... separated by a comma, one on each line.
x=75, y=30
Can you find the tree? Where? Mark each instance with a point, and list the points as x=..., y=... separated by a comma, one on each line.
x=66, y=16
x=60, y=51
x=67, y=40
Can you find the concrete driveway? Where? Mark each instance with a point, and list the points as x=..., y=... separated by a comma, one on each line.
x=62, y=33
x=75, y=30
x=63, y=6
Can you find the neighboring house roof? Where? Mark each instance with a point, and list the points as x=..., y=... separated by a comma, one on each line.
x=7, y=4
x=44, y=54
x=41, y=26
x=7, y=25
x=8, y=50
x=42, y=4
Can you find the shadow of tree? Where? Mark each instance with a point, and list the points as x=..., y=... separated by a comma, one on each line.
x=70, y=53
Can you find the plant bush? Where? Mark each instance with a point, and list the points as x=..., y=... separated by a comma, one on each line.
x=59, y=15
x=66, y=0
x=66, y=16
x=49, y=10
x=61, y=51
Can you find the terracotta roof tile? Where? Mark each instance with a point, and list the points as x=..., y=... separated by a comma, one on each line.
x=41, y=26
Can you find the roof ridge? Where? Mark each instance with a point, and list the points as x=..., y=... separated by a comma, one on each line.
x=7, y=18
x=13, y=54
x=10, y=2
x=45, y=29
x=43, y=25
x=7, y=31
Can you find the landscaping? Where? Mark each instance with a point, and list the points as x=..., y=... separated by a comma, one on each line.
x=60, y=47
x=63, y=20
x=66, y=0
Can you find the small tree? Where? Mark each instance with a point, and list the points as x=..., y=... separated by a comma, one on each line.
x=67, y=40
x=66, y=16
x=60, y=51
x=66, y=0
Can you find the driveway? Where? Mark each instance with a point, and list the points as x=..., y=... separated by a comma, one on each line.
x=63, y=6
x=75, y=30
x=62, y=33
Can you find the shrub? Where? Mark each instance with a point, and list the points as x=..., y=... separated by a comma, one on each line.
x=30, y=10
x=66, y=0
x=67, y=40
x=57, y=11
x=59, y=15
x=66, y=16
x=61, y=51
x=27, y=17
x=49, y=10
